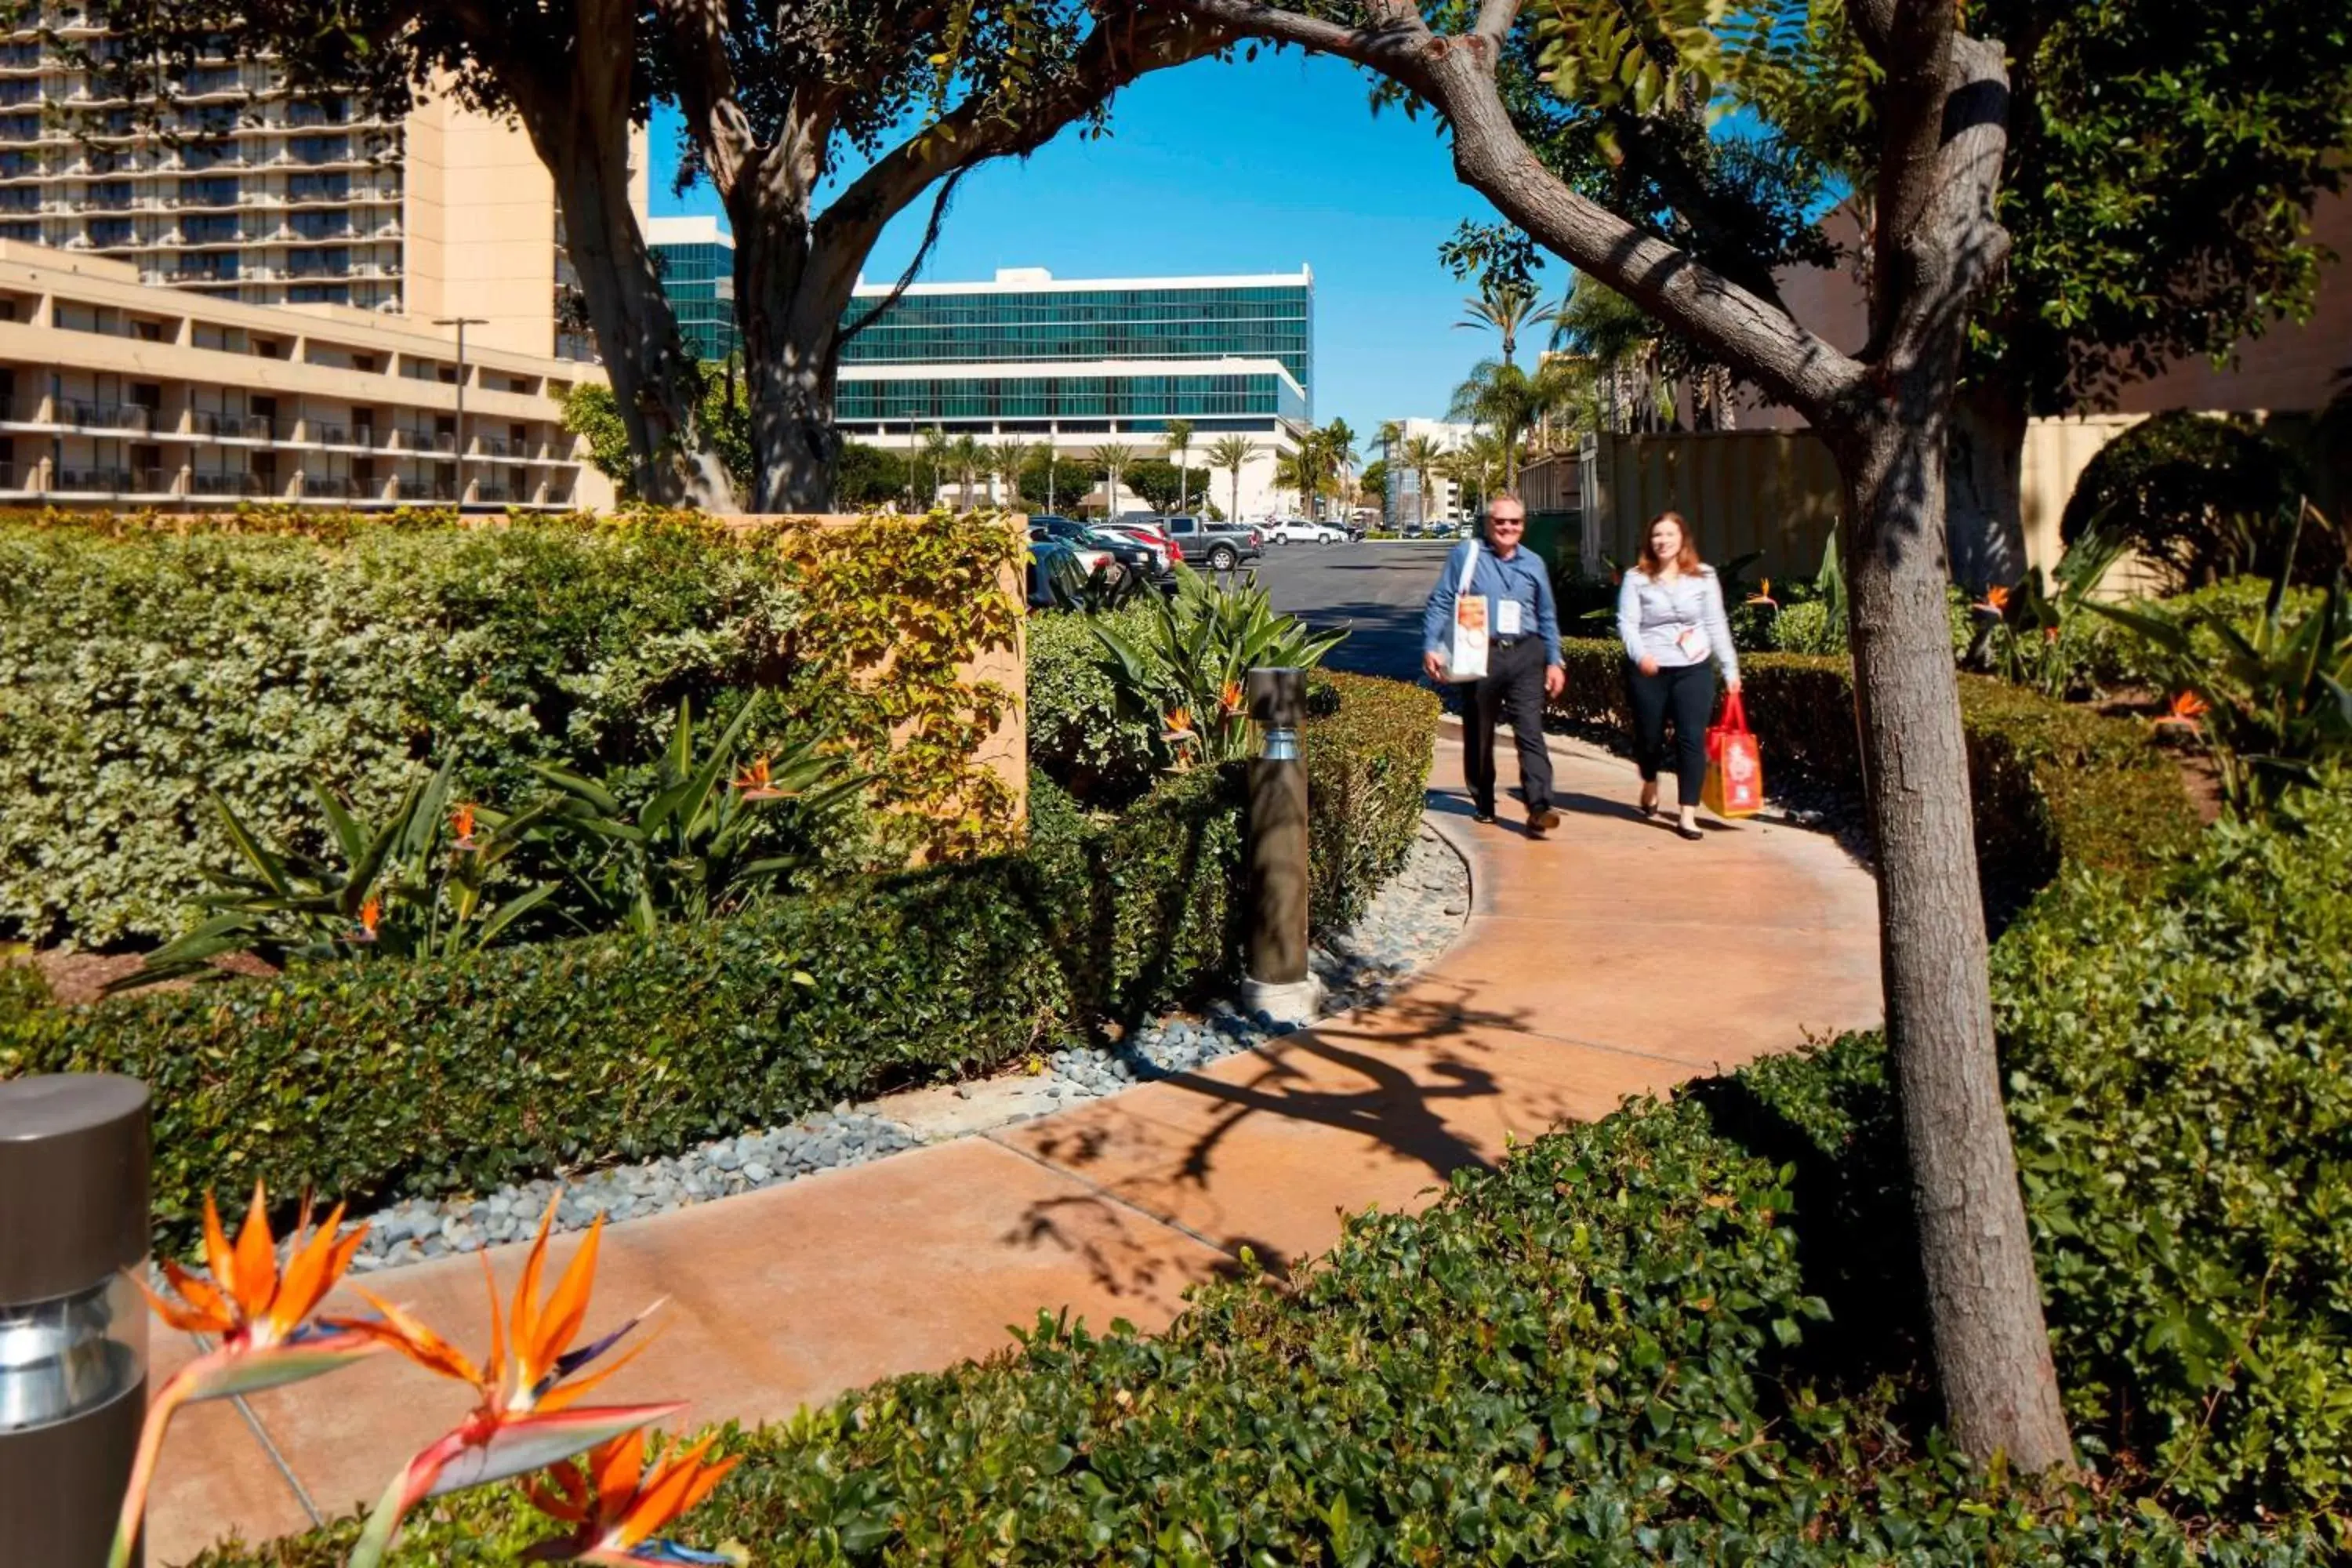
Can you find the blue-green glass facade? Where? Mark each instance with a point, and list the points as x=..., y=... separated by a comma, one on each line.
x=1201, y=320
x=1212, y=401
x=699, y=279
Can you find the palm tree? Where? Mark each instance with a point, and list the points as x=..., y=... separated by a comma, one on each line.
x=1506, y=306
x=1620, y=343
x=1508, y=401
x=1230, y=453
x=1180, y=445
x=1010, y=456
x=937, y=445
x=1422, y=455
x=1112, y=457
x=970, y=459
x=1338, y=455
x=1390, y=436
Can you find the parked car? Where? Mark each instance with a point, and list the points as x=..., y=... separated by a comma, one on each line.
x=1131, y=554
x=1298, y=530
x=1218, y=546
x=1165, y=550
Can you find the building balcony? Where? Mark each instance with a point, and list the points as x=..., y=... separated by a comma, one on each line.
x=232, y=427
x=131, y=417
x=115, y=482
x=225, y=485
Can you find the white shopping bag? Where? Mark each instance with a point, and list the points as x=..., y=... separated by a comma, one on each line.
x=1467, y=661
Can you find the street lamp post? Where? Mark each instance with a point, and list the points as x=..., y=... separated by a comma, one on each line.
x=461, y=323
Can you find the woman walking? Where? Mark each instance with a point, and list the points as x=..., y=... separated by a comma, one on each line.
x=1670, y=613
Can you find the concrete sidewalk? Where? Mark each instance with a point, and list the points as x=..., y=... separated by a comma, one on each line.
x=1611, y=959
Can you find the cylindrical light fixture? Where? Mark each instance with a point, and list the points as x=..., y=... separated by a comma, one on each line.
x=1276, y=981
x=73, y=1327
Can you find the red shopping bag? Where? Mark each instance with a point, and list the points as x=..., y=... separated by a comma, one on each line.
x=1735, y=764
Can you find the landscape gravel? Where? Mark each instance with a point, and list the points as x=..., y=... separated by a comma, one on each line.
x=1412, y=919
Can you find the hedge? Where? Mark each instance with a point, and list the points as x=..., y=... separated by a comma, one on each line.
x=1596, y=1354
x=2052, y=782
x=1078, y=732
x=371, y=1080
x=145, y=660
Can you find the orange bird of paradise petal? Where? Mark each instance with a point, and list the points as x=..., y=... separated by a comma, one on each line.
x=370, y=913
x=1230, y=697
x=461, y=822
x=1180, y=725
x=525, y=1418
x=752, y=783
x=2188, y=710
x=260, y=1316
x=614, y=1507
x=1995, y=602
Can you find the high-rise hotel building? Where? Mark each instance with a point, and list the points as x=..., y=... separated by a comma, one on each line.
x=262, y=196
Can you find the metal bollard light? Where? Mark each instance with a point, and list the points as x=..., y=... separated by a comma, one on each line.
x=73, y=1327
x=1276, y=981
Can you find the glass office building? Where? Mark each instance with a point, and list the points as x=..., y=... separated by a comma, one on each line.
x=1031, y=354
x=697, y=272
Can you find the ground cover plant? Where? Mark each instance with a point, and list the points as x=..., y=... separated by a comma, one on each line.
x=1692, y=1332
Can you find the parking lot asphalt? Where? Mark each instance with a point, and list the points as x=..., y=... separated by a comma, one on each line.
x=1376, y=591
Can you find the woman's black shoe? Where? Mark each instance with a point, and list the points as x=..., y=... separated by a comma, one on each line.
x=1482, y=817
x=1693, y=834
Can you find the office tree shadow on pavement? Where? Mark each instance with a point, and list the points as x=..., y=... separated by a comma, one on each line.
x=1311, y=1078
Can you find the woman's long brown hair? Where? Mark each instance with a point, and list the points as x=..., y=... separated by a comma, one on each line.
x=1687, y=561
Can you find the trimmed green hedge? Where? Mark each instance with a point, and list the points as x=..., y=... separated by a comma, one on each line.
x=1596, y=1354
x=1078, y=731
x=142, y=661
x=371, y=1080
x=2052, y=784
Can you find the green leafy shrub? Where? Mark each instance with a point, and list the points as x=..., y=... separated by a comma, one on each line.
x=2274, y=704
x=1079, y=734
x=2200, y=498
x=1368, y=744
x=143, y=664
x=2181, y=1085
x=1187, y=669
x=1595, y=1354
x=450, y=1074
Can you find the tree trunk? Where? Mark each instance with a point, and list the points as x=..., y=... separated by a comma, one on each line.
x=1991, y=1347
x=1987, y=521
x=584, y=142
x=790, y=320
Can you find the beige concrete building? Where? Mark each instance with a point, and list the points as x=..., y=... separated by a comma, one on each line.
x=267, y=197
x=117, y=393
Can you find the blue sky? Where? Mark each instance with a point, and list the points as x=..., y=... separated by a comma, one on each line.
x=1234, y=168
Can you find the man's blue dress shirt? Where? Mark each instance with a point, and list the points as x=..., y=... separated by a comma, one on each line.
x=1524, y=577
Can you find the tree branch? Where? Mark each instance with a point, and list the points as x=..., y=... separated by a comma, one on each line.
x=707, y=89
x=1397, y=47
x=1496, y=19
x=914, y=267
x=1111, y=57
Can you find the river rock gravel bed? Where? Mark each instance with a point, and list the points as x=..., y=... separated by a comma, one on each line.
x=1414, y=918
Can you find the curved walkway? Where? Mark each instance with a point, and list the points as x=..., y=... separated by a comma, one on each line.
x=1608, y=960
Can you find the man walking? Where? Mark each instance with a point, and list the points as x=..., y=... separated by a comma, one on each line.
x=1523, y=660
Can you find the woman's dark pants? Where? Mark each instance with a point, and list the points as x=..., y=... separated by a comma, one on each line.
x=1685, y=693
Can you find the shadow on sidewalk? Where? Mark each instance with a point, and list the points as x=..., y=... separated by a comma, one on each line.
x=1313, y=1078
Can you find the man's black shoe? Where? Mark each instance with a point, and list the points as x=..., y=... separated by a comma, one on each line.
x=1482, y=816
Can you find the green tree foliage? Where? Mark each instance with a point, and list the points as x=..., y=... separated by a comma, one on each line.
x=1055, y=484
x=870, y=476
x=2199, y=500
x=1162, y=484
x=724, y=417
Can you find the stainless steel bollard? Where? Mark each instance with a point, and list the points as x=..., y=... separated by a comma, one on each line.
x=73, y=1327
x=1276, y=981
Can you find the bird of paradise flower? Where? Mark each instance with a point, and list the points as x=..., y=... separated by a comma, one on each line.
x=260, y=1316
x=2188, y=711
x=614, y=1507
x=527, y=1416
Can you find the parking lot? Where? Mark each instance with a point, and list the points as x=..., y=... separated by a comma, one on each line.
x=1377, y=590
